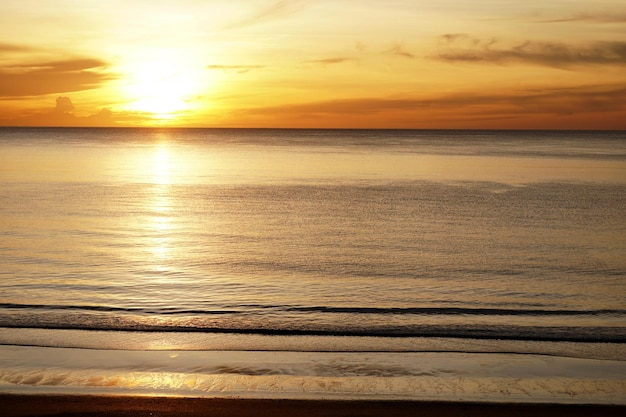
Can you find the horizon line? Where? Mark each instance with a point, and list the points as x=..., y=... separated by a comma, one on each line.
x=311, y=128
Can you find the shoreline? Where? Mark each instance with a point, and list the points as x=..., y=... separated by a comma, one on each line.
x=19, y=405
x=312, y=376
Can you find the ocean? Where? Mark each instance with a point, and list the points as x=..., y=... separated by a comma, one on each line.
x=380, y=254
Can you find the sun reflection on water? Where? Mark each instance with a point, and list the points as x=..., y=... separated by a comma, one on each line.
x=160, y=206
x=162, y=166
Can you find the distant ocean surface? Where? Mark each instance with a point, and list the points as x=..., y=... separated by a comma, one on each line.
x=468, y=234
x=362, y=240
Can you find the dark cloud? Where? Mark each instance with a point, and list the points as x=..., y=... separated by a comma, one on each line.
x=62, y=115
x=64, y=105
x=240, y=69
x=51, y=77
x=463, y=48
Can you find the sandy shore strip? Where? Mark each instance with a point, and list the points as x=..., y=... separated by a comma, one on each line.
x=130, y=406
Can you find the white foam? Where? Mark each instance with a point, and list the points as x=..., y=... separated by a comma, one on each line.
x=314, y=375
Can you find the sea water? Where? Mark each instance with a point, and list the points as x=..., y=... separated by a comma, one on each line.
x=390, y=245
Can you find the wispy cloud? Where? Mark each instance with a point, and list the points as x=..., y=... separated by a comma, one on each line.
x=52, y=77
x=332, y=60
x=464, y=48
x=400, y=50
x=570, y=100
x=10, y=47
x=278, y=9
x=240, y=69
x=596, y=17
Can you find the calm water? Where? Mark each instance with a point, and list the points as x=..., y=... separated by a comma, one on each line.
x=416, y=234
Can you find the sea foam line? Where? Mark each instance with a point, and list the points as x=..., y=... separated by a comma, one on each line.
x=305, y=375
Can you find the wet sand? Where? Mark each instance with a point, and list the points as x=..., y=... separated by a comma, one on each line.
x=100, y=406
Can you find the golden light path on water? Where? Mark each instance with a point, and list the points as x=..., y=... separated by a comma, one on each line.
x=160, y=207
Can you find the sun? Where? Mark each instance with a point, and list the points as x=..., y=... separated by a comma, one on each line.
x=164, y=88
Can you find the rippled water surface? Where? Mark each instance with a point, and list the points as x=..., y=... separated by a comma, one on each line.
x=489, y=235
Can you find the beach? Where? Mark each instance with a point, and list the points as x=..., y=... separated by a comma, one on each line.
x=100, y=406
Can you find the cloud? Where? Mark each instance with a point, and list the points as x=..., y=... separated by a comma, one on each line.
x=240, y=69
x=51, y=77
x=64, y=105
x=280, y=8
x=572, y=100
x=10, y=47
x=596, y=17
x=399, y=50
x=453, y=37
x=463, y=48
x=333, y=60
x=61, y=115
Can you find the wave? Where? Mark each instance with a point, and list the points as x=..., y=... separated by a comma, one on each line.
x=326, y=309
x=448, y=322
x=111, y=309
x=459, y=310
x=521, y=333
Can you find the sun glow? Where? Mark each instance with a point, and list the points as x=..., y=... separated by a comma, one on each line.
x=164, y=88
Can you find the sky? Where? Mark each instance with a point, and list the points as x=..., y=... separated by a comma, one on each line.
x=507, y=64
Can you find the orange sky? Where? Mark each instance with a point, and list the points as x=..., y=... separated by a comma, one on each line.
x=317, y=63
